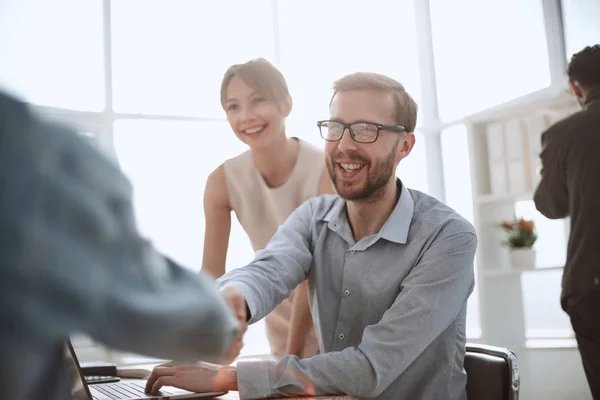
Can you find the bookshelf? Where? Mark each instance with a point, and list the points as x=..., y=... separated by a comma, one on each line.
x=504, y=152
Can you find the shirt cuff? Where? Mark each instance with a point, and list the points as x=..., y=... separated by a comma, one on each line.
x=253, y=380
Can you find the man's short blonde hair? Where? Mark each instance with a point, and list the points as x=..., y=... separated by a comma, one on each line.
x=406, y=107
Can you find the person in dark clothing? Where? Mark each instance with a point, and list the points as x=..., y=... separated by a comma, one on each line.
x=570, y=187
x=72, y=260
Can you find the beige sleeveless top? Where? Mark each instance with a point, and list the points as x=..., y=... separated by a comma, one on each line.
x=261, y=209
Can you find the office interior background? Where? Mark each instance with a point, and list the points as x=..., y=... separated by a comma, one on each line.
x=141, y=79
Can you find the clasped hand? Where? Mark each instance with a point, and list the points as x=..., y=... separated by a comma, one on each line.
x=212, y=376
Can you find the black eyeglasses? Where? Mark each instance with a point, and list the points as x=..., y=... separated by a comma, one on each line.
x=360, y=131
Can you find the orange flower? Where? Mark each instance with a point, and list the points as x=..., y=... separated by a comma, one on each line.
x=506, y=225
x=525, y=224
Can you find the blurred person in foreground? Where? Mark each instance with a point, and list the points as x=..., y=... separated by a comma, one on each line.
x=72, y=260
x=570, y=187
x=389, y=270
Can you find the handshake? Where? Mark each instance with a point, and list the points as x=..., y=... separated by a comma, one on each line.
x=206, y=376
x=237, y=302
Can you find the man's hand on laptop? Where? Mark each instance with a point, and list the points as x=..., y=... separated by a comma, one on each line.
x=199, y=378
x=237, y=302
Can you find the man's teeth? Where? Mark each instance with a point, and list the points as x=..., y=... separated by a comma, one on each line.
x=351, y=167
x=254, y=130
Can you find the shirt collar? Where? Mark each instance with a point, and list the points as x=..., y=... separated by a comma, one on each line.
x=593, y=96
x=396, y=227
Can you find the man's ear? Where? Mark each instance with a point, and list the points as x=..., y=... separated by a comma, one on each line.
x=286, y=106
x=405, y=146
x=576, y=90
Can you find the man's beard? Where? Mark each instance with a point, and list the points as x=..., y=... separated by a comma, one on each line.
x=377, y=178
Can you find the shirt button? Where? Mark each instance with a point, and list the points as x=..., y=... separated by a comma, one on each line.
x=341, y=336
x=346, y=292
x=596, y=280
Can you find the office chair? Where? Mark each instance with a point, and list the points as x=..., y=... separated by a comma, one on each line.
x=492, y=373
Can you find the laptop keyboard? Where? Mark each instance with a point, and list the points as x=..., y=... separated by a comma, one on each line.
x=127, y=390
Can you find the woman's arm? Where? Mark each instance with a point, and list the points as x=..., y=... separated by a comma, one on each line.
x=300, y=321
x=217, y=212
x=301, y=318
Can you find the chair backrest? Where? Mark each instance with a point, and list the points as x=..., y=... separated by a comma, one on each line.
x=492, y=373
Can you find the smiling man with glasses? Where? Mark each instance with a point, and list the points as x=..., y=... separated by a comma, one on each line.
x=389, y=270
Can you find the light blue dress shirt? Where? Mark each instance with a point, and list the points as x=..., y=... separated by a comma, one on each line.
x=389, y=310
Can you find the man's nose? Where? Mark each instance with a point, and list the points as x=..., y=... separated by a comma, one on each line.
x=346, y=142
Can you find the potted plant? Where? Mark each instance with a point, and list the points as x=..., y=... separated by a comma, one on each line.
x=521, y=237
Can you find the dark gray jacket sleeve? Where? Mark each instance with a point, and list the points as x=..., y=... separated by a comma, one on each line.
x=551, y=196
x=72, y=259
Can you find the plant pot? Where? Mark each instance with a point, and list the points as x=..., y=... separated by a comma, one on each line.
x=522, y=257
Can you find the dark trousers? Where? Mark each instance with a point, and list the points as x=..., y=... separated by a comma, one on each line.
x=585, y=318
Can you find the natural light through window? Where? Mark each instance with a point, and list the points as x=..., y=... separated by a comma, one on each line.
x=581, y=21
x=173, y=59
x=168, y=163
x=487, y=53
x=52, y=52
x=321, y=41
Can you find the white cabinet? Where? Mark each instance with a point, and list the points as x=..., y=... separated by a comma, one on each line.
x=504, y=153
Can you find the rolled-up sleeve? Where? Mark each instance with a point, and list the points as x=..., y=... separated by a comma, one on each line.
x=431, y=298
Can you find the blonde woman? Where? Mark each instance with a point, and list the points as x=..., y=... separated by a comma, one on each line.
x=263, y=186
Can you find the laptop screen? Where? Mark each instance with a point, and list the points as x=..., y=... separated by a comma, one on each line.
x=79, y=388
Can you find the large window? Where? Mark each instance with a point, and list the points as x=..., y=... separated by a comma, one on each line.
x=487, y=53
x=320, y=41
x=176, y=70
x=581, y=21
x=168, y=163
x=172, y=59
x=51, y=56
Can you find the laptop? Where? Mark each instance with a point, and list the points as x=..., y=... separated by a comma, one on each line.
x=128, y=390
